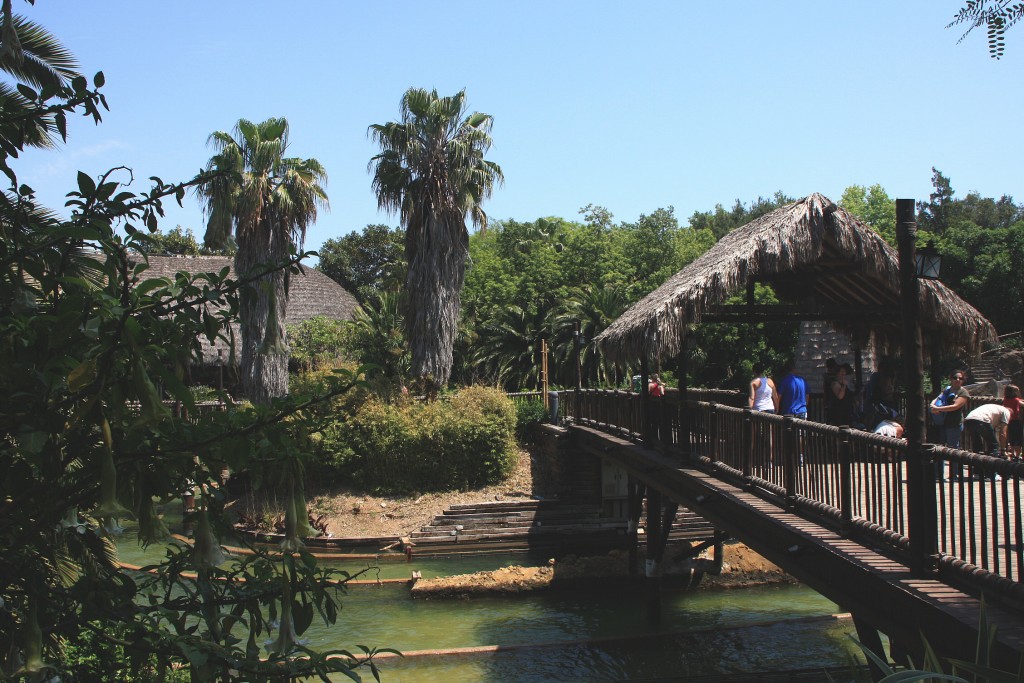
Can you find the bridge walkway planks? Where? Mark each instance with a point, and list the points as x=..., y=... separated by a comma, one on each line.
x=875, y=586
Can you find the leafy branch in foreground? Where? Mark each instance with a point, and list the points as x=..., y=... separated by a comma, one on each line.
x=995, y=15
x=97, y=424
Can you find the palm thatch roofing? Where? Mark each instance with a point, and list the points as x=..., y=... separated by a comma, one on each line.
x=310, y=294
x=813, y=253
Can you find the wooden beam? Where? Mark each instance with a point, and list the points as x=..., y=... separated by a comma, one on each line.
x=785, y=312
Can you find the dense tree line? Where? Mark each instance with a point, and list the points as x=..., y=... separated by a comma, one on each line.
x=534, y=279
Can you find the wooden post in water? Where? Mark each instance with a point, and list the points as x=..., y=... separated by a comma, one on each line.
x=922, y=522
x=652, y=564
x=635, y=504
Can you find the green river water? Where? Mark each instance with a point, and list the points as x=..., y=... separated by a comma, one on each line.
x=593, y=634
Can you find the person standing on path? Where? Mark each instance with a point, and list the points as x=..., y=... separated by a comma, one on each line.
x=793, y=393
x=1015, y=431
x=839, y=398
x=954, y=411
x=764, y=397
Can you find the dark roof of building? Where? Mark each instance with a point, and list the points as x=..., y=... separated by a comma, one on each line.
x=311, y=293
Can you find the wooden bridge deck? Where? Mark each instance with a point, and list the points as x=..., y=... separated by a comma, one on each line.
x=866, y=580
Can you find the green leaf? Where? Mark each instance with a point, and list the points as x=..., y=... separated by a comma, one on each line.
x=147, y=286
x=99, y=80
x=86, y=185
x=33, y=442
x=82, y=375
x=303, y=616
x=26, y=92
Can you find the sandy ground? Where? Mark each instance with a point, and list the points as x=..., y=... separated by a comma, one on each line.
x=742, y=568
x=350, y=513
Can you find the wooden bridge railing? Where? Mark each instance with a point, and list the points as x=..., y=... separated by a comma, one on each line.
x=851, y=480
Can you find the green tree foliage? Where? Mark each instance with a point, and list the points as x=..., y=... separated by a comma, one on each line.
x=995, y=15
x=724, y=354
x=178, y=241
x=595, y=308
x=266, y=200
x=719, y=221
x=317, y=343
x=873, y=206
x=432, y=171
x=378, y=336
x=508, y=350
x=86, y=337
x=366, y=262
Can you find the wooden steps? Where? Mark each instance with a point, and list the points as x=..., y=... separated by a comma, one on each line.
x=526, y=524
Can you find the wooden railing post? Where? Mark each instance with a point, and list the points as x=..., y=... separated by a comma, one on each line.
x=790, y=459
x=845, y=481
x=930, y=524
x=747, y=445
x=713, y=432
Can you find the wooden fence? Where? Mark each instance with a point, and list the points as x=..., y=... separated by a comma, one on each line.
x=855, y=481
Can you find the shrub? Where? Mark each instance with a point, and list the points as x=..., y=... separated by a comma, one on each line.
x=529, y=413
x=466, y=441
x=317, y=343
x=331, y=457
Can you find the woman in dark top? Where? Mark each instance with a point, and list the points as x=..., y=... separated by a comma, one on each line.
x=840, y=397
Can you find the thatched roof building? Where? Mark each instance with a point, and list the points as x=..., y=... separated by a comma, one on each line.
x=821, y=260
x=310, y=294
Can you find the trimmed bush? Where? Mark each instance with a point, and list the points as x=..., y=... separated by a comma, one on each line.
x=466, y=441
x=529, y=413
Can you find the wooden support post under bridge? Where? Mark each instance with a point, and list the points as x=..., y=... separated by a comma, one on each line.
x=659, y=522
x=635, y=505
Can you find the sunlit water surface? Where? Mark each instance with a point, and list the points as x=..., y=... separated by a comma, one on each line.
x=593, y=634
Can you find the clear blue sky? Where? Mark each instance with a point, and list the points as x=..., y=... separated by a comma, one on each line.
x=632, y=106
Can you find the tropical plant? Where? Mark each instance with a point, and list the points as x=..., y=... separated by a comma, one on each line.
x=33, y=57
x=595, y=308
x=431, y=170
x=378, y=337
x=509, y=346
x=267, y=200
x=86, y=337
x=995, y=15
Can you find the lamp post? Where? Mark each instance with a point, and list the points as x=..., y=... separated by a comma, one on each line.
x=920, y=474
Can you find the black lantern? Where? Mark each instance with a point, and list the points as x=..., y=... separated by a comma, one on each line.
x=929, y=262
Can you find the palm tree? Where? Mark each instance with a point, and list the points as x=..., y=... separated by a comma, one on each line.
x=432, y=171
x=35, y=57
x=379, y=336
x=595, y=308
x=267, y=200
x=509, y=346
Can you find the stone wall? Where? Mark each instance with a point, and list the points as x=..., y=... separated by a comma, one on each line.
x=818, y=342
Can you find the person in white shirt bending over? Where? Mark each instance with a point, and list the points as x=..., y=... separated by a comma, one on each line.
x=890, y=428
x=987, y=423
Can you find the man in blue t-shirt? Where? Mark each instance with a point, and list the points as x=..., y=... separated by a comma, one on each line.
x=792, y=393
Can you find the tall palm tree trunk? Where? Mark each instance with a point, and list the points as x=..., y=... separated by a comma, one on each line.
x=437, y=269
x=264, y=371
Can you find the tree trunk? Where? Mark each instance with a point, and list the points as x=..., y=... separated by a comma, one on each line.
x=264, y=376
x=437, y=269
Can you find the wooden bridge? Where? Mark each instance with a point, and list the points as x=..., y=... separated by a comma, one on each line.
x=907, y=548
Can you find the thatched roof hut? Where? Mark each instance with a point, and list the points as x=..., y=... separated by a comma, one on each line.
x=310, y=294
x=820, y=259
